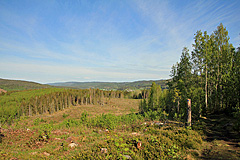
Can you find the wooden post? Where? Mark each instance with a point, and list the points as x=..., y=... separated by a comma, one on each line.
x=189, y=118
x=29, y=110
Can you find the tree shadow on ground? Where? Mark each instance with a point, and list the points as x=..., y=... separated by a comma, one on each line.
x=224, y=140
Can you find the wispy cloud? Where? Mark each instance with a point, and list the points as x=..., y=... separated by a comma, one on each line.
x=104, y=41
x=57, y=72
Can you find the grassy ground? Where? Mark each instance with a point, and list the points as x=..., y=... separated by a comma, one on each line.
x=98, y=135
x=24, y=138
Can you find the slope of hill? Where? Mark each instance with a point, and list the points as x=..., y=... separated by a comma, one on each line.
x=112, y=85
x=10, y=85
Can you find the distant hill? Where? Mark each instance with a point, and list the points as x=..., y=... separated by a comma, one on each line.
x=112, y=85
x=10, y=85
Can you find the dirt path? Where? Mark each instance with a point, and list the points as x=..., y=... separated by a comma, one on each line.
x=224, y=141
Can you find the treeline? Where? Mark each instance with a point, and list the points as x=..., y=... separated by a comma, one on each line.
x=11, y=102
x=31, y=102
x=209, y=75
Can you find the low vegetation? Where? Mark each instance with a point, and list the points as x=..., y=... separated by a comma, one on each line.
x=113, y=131
x=49, y=136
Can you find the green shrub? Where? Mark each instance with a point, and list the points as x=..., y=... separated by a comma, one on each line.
x=156, y=144
x=65, y=115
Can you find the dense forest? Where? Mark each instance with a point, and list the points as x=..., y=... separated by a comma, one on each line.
x=209, y=75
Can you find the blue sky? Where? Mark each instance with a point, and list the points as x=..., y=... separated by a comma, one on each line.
x=73, y=40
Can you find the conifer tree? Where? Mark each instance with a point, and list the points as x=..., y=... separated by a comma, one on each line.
x=153, y=99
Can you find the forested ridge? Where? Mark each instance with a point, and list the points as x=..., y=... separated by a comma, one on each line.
x=12, y=85
x=112, y=85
